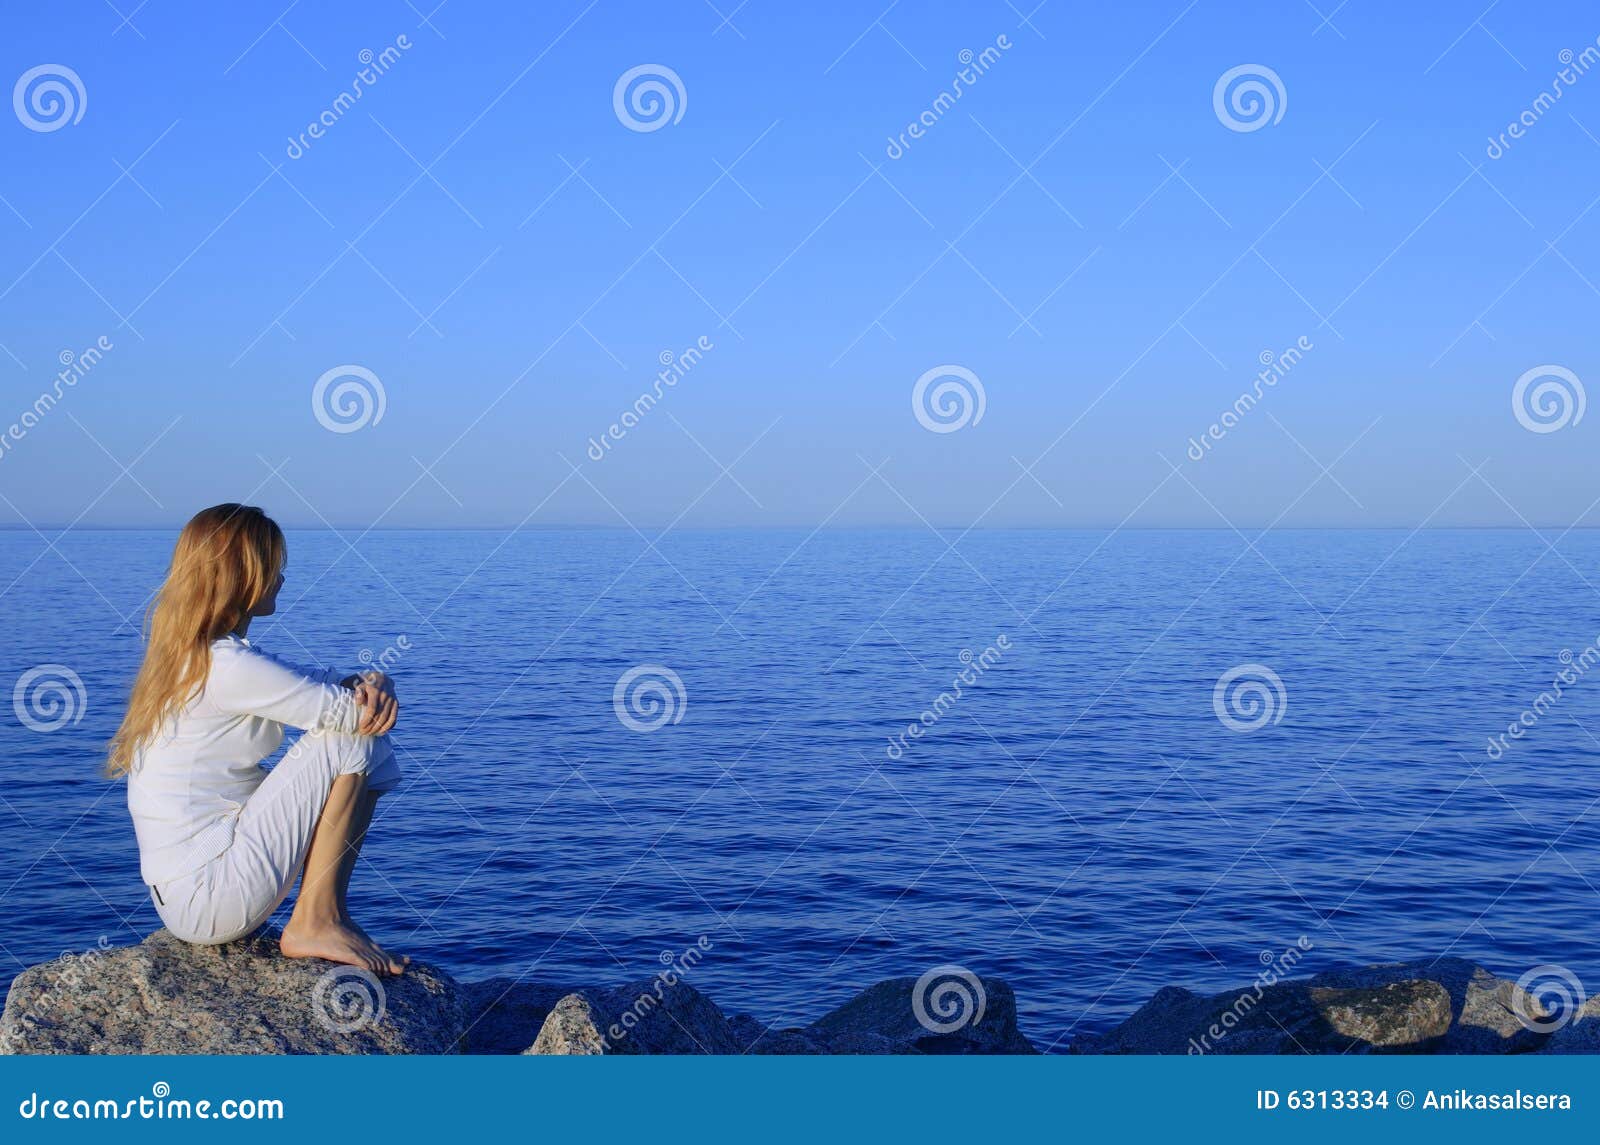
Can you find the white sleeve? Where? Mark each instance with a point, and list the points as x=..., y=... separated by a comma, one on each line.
x=248, y=682
x=325, y=675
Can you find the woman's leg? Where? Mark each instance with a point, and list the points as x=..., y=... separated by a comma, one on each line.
x=320, y=925
x=306, y=821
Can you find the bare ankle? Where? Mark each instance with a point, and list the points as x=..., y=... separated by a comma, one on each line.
x=316, y=918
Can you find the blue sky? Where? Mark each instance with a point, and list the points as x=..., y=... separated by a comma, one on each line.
x=1081, y=231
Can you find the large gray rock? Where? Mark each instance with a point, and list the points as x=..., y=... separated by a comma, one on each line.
x=886, y=1019
x=165, y=996
x=1446, y=1005
x=648, y=1017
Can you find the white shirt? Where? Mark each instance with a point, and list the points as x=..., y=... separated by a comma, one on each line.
x=189, y=782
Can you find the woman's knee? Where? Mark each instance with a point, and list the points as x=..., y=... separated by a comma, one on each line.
x=384, y=772
x=368, y=756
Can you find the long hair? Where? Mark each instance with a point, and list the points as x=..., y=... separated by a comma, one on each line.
x=227, y=559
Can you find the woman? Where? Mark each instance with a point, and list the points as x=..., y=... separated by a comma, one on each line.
x=220, y=839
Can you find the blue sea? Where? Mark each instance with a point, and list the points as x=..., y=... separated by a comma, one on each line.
x=1089, y=819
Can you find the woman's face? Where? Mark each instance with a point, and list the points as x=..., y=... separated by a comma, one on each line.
x=268, y=604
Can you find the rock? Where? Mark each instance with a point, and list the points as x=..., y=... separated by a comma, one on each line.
x=166, y=996
x=1400, y=1014
x=1446, y=1005
x=884, y=1019
x=647, y=1017
x=1484, y=1008
x=755, y=1038
x=575, y=1027
x=503, y=1015
x=1580, y=1034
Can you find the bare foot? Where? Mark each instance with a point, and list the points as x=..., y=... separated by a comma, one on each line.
x=396, y=966
x=337, y=942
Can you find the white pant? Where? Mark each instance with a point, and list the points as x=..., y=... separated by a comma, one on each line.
x=237, y=891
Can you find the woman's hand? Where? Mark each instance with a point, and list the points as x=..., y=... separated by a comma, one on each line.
x=374, y=691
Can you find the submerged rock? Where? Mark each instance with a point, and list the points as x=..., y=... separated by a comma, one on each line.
x=1446, y=1005
x=166, y=996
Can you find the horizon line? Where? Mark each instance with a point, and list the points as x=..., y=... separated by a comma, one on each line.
x=1519, y=526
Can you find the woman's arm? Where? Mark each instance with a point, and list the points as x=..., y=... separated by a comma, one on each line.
x=245, y=681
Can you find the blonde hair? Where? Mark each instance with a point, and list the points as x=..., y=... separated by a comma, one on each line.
x=227, y=559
